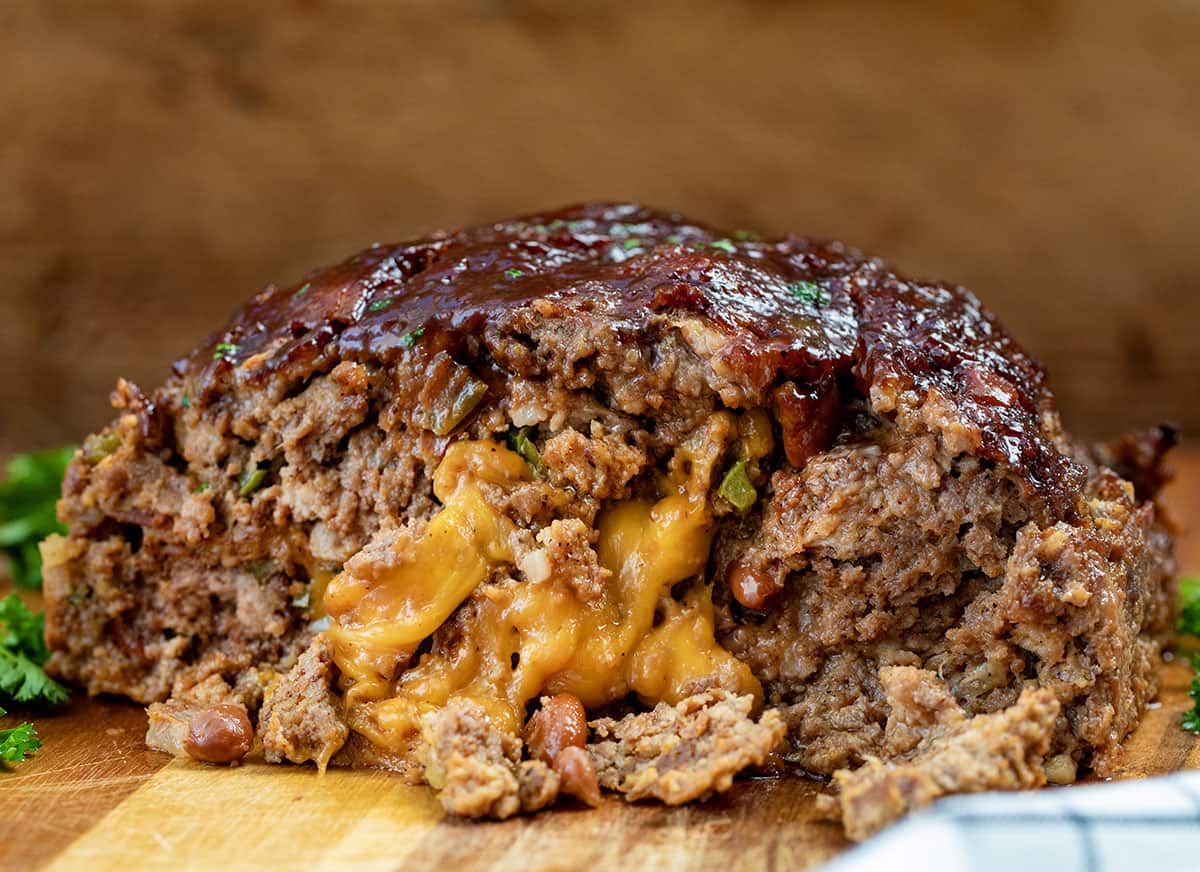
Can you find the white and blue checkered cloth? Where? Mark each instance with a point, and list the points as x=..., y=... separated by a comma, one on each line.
x=1150, y=824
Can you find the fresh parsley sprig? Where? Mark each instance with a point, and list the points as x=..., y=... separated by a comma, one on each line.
x=28, y=497
x=1191, y=717
x=1189, y=624
x=22, y=653
x=1189, y=614
x=18, y=743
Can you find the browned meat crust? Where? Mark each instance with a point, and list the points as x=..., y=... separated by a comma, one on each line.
x=911, y=500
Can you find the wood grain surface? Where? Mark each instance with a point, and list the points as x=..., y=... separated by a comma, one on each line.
x=162, y=160
x=95, y=799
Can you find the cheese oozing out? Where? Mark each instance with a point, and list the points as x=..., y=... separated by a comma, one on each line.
x=530, y=637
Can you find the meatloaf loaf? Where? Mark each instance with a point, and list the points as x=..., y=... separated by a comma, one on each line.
x=605, y=499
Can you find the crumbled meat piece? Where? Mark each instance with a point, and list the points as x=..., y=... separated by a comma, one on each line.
x=568, y=557
x=476, y=768
x=313, y=423
x=1000, y=751
x=682, y=752
x=537, y=785
x=300, y=718
x=920, y=704
x=168, y=726
x=212, y=690
x=600, y=466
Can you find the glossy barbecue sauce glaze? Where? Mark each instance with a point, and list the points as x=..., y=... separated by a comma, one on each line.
x=792, y=309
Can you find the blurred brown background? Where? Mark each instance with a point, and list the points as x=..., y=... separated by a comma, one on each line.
x=161, y=161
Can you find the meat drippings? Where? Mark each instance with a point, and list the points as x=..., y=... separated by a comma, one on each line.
x=529, y=637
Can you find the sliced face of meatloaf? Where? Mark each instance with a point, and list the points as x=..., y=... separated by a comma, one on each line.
x=741, y=502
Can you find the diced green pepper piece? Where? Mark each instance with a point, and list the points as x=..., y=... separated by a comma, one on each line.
x=460, y=397
x=736, y=487
x=519, y=441
x=261, y=569
x=252, y=479
x=100, y=446
x=465, y=401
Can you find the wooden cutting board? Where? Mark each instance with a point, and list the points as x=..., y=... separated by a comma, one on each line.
x=94, y=798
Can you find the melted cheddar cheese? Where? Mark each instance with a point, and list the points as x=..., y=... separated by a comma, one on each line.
x=519, y=639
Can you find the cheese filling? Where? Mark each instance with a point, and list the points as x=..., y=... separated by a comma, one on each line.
x=523, y=638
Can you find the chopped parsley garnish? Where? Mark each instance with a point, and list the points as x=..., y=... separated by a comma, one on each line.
x=185, y=401
x=28, y=510
x=745, y=236
x=519, y=441
x=410, y=339
x=631, y=243
x=809, y=292
x=698, y=245
x=203, y=488
x=380, y=305
x=514, y=273
x=674, y=239
x=304, y=290
x=1189, y=624
x=225, y=350
x=724, y=245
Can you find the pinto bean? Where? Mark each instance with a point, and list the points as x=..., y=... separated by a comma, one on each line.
x=753, y=588
x=577, y=772
x=808, y=417
x=221, y=734
x=560, y=723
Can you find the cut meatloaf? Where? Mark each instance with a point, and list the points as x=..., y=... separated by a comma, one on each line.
x=744, y=502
